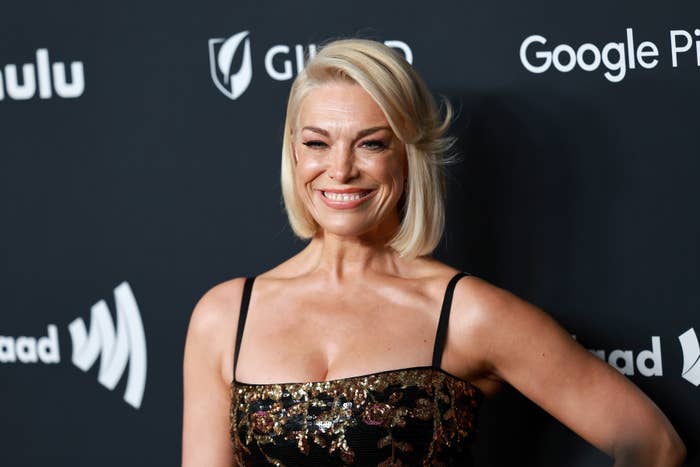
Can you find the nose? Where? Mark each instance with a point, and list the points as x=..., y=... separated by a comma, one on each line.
x=341, y=164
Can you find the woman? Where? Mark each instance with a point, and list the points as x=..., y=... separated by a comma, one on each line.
x=362, y=349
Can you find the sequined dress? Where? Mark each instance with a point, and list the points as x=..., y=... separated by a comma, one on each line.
x=417, y=416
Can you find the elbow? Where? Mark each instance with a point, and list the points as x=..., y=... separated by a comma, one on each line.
x=675, y=453
x=671, y=450
x=663, y=450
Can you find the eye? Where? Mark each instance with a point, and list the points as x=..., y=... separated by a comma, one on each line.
x=314, y=144
x=374, y=145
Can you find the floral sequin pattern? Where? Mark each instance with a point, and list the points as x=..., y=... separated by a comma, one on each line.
x=417, y=416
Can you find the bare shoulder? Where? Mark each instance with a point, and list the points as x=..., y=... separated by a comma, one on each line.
x=206, y=376
x=482, y=304
x=217, y=306
x=494, y=324
x=213, y=323
x=479, y=295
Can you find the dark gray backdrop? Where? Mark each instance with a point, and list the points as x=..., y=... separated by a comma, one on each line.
x=577, y=193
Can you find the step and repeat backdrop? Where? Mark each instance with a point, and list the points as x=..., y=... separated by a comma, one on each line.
x=139, y=166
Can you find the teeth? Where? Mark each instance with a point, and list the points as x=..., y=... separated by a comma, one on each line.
x=343, y=196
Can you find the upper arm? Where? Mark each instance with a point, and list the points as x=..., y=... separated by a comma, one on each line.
x=525, y=347
x=206, y=402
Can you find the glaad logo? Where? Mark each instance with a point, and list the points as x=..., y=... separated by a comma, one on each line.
x=691, y=356
x=30, y=349
x=648, y=361
x=126, y=344
x=44, y=74
x=222, y=53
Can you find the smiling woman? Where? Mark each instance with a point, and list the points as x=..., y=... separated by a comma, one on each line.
x=362, y=349
x=349, y=166
x=397, y=109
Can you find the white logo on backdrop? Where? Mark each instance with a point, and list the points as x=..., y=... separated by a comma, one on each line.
x=616, y=57
x=25, y=349
x=277, y=61
x=691, y=356
x=117, y=347
x=126, y=345
x=649, y=362
x=48, y=77
x=231, y=85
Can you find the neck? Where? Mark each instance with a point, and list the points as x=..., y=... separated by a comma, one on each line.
x=345, y=258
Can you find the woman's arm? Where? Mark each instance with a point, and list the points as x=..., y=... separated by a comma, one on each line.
x=205, y=428
x=530, y=351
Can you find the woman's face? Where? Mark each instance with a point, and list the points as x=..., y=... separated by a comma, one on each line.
x=350, y=166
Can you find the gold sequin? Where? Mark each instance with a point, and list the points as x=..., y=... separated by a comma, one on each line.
x=416, y=416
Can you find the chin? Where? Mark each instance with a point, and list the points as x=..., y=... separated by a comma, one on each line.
x=354, y=224
x=347, y=229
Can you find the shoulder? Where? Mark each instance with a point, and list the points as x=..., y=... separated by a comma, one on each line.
x=217, y=305
x=483, y=300
x=212, y=328
x=495, y=323
x=484, y=303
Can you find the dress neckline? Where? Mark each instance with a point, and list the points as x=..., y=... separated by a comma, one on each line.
x=235, y=382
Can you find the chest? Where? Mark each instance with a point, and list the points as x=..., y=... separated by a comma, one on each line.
x=317, y=336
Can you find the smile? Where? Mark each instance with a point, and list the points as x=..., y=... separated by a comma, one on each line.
x=344, y=196
x=345, y=199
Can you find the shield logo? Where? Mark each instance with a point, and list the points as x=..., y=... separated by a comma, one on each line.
x=221, y=54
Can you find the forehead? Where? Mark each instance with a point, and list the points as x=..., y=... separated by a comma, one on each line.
x=340, y=105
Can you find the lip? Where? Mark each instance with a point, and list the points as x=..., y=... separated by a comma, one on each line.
x=345, y=204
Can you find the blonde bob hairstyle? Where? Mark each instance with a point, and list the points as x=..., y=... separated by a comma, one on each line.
x=414, y=118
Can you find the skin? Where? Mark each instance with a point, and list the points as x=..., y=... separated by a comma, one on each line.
x=347, y=305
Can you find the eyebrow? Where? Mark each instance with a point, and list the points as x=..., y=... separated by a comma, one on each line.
x=360, y=134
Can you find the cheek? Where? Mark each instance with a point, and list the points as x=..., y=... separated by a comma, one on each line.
x=391, y=173
x=306, y=171
x=395, y=168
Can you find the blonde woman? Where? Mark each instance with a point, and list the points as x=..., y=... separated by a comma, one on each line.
x=362, y=349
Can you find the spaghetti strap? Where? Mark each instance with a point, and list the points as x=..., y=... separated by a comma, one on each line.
x=444, y=319
x=245, y=300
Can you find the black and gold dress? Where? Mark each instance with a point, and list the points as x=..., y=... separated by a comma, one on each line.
x=418, y=416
